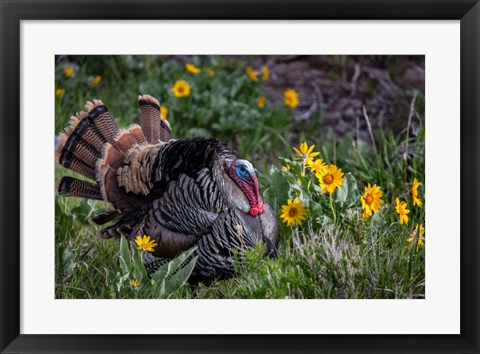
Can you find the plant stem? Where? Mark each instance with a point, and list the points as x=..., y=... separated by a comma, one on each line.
x=333, y=211
x=410, y=259
x=374, y=251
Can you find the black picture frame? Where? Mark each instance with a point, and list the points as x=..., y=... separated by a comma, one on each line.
x=13, y=12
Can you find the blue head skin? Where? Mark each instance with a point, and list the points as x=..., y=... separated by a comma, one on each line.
x=243, y=174
x=244, y=169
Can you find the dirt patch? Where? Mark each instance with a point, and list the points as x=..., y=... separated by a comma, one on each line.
x=340, y=86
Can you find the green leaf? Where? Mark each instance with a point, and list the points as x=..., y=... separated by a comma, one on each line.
x=139, y=268
x=161, y=273
x=180, y=277
x=324, y=220
x=172, y=275
x=125, y=251
x=169, y=268
x=159, y=289
x=377, y=220
x=315, y=208
x=347, y=194
x=124, y=266
x=236, y=87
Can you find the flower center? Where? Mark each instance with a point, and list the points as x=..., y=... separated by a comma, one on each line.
x=328, y=179
x=369, y=199
x=292, y=212
x=180, y=89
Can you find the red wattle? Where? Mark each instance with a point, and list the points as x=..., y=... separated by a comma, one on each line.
x=257, y=209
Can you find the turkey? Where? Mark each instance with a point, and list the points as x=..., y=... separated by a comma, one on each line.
x=182, y=193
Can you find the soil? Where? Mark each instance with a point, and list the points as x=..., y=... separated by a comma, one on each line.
x=340, y=86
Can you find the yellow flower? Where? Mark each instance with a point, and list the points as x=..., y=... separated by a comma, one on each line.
x=251, y=74
x=371, y=200
x=261, y=101
x=145, y=244
x=96, y=80
x=402, y=211
x=192, y=69
x=59, y=92
x=317, y=166
x=286, y=168
x=136, y=283
x=68, y=71
x=293, y=213
x=421, y=232
x=265, y=73
x=211, y=72
x=181, y=88
x=291, y=98
x=416, y=199
x=306, y=153
x=164, y=112
x=330, y=178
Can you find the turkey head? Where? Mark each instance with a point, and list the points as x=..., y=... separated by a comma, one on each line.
x=243, y=174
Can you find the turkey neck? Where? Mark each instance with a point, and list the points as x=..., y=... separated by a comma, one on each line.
x=229, y=188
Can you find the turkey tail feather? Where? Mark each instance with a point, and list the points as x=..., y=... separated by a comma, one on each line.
x=82, y=142
x=136, y=131
x=150, y=117
x=155, y=127
x=103, y=120
x=73, y=187
x=165, y=131
x=68, y=160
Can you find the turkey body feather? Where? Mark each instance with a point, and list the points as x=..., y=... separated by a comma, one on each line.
x=182, y=193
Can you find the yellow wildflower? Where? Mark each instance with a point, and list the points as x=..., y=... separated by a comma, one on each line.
x=317, y=166
x=330, y=178
x=164, y=112
x=306, y=153
x=68, y=71
x=251, y=74
x=96, y=80
x=421, y=231
x=371, y=200
x=192, y=69
x=181, y=88
x=291, y=98
x=286, y=168
x=416, y=200
x=211, y=72
x=293, y=213
x=402, y=211
x=265, y=73
x=59, y=92
x=136, y=283
x=261, y=101
x=145, y=244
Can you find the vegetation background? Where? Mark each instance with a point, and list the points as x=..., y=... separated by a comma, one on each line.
x=365, y=114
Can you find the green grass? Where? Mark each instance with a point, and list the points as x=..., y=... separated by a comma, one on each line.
x=327, y=256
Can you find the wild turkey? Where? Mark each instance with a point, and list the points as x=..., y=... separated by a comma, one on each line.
x=181, y=193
